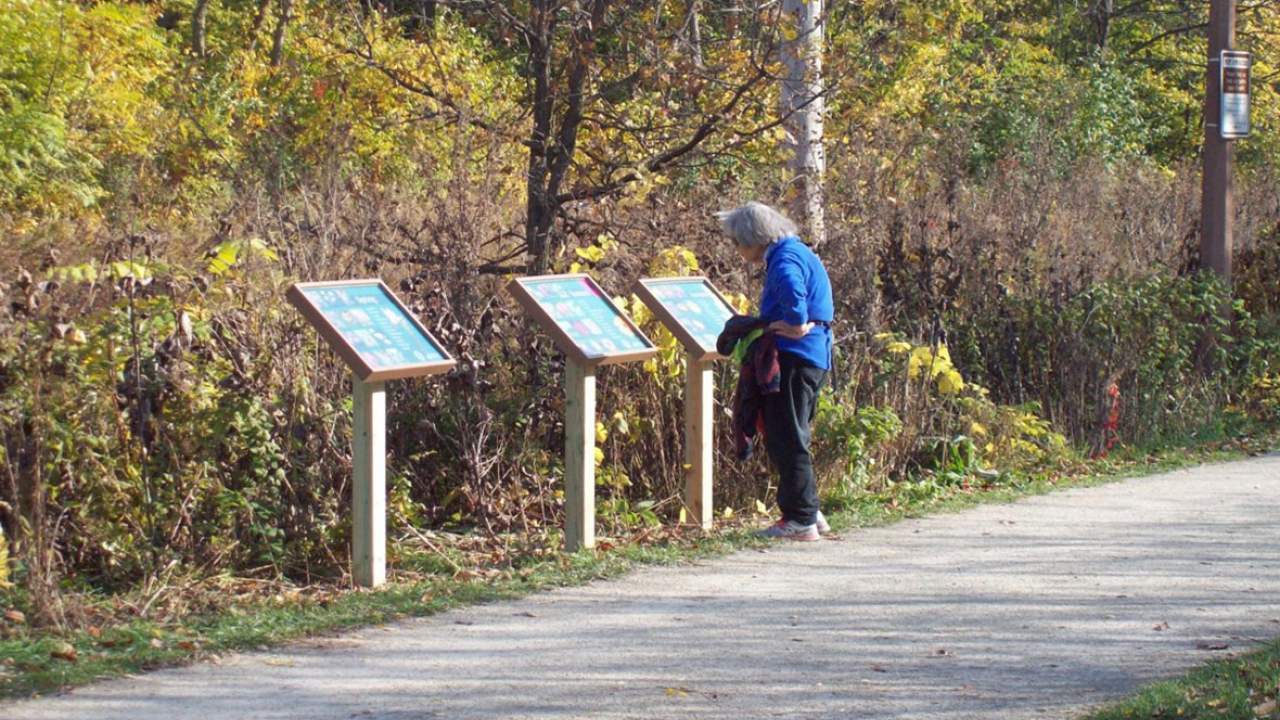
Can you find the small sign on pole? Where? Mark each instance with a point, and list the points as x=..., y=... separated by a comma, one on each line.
x=380, y=340
x=1234, y=66
x=591, y=331
x=695, y=312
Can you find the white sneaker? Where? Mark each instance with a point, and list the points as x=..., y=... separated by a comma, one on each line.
x=788, y=530
x=823, y=527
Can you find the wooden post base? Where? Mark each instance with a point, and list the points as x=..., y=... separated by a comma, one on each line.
x=579, y=457
x=699, y=440
x=369, y=484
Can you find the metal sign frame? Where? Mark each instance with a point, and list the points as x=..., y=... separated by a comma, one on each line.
x=362, y=369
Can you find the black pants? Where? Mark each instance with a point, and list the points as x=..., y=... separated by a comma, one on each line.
x=787, y=417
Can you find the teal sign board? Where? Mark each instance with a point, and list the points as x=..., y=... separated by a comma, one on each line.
x=582, y=316
x=690, y=307
x=370, y=328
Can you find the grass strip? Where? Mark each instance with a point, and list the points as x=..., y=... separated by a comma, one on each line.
x=37, y=662
x=1241, y=688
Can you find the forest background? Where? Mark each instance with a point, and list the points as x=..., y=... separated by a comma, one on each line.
x=1011, y=209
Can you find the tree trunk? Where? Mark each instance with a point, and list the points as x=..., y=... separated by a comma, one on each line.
x=551, y=150
x=282, y=25
x=427, y=16
x=259, y=19
x=694, y=33
x=31, y=534
x=197, y=27
x=539, y=215
x=803, y=107
x=1102, y=12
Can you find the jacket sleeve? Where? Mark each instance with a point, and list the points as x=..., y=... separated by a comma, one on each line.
x=787, y=277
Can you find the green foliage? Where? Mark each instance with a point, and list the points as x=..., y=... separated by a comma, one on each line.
x=152, y=444
x=171, y=411
x=227, y=254
x=1262, y=398
x=76, y=100
x=991, y=80
x=853, y=434
x=1246, y=687
x=624, y=515
x=941, y=431
x=1152, y=338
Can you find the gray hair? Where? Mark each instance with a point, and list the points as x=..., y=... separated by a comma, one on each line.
x=756, y=224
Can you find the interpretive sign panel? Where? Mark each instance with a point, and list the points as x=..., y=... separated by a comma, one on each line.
x=691, y=308
x=585, y=323
x=1234, y=67
x=379, y=339
x=370, y=329
x=590, y=330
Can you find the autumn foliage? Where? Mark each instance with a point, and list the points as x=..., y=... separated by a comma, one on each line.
x=1012, y=209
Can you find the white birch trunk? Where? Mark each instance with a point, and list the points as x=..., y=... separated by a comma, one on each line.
x=695, y=33
x=803, y=106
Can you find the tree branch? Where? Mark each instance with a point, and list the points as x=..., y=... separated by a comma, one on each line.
x=709, y=125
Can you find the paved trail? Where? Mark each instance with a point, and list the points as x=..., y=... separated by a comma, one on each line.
x=1038, y=609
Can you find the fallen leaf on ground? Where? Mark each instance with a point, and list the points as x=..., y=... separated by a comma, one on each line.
x=188, y=645
x=94, y=631
x=677, y=692
x=1265, y=708
x=15, y=616
x=1160, y=626
x=526, y=613
x=279, y=662
x=1207, y=645
x=63, y=651
x=157, y=643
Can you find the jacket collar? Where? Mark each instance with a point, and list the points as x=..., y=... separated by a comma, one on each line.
x=773, y=246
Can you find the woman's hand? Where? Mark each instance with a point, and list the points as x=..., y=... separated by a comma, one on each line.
x=795, y=332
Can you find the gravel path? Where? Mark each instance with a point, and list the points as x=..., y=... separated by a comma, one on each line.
x=1039, y=609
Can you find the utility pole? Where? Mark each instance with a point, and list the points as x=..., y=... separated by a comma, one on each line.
x=1215, y=202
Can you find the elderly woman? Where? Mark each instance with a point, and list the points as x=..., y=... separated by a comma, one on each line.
x=797, y=309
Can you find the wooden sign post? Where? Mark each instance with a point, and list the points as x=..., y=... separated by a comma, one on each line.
x=695, y=312
x=591, y=331
x=380, y=340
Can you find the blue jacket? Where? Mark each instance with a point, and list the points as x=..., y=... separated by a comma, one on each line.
x=796, y=291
